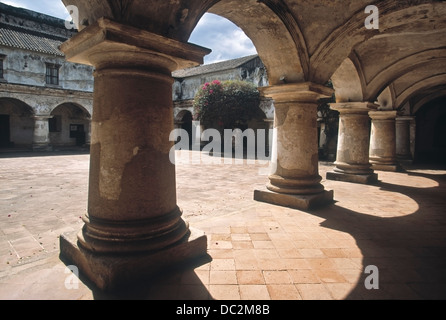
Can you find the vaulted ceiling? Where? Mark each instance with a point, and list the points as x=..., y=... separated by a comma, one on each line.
x=313, y=40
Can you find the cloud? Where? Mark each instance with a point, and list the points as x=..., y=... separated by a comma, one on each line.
x=53, y=8
x=226, y=40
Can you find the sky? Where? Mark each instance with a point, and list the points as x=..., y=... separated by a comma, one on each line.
x=226, y=40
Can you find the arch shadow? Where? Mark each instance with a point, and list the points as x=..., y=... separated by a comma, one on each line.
x=409, y=251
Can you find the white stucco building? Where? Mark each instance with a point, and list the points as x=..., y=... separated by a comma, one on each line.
x=45, y=101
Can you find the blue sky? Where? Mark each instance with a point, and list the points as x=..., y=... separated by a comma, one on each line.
x=226, y=40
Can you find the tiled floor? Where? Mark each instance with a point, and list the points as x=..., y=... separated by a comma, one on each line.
x=256, y=251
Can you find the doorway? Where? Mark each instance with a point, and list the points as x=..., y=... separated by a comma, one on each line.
x=5, y=131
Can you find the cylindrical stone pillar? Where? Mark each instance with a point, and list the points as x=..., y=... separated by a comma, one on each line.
x=133, y=226
x=403, y=139
x=383, y=141
x=295, y=169
x=132, y=195
x=41, y=137
x=352, y=164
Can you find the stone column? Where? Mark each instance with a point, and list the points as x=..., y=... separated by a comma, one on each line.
x=295, y=181
x=133, y=227
x=41, y=138
x=352, y=164
x=403, y=138
x=383, y=141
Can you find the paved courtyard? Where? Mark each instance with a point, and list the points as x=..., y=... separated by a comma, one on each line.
x=256, y=250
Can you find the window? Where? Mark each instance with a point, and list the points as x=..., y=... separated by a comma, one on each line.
x=52, y=74
x=1, y=66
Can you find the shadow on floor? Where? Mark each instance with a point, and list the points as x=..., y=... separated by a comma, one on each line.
x=178, y=283
x=409, y=251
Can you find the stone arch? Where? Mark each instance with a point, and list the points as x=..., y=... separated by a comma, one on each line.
x=395, y=18
x=179, y=116
x=386, y=99
x=69, y=125
x=17, y=123
x=84, y=109
x=347, y=83
x=271, y=27
x=86, y=105
x=440, y=92
x=411, y=64
x=418, y=87
x=274, y=33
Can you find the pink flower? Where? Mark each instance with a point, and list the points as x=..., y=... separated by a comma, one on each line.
x=216, y=82
x=211, y=91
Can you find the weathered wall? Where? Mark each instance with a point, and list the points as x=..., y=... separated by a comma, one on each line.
x=29, y=68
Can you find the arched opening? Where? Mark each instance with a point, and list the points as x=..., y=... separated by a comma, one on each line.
x=431, y=133
x=69, y=126
x=16, y=124
x=276, y=43
x=258, y=24
x=184, y=121
x=226, y=40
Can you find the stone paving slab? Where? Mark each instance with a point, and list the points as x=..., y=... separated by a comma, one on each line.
x=256, y=251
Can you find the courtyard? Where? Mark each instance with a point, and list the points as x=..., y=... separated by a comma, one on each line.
x=256, y=251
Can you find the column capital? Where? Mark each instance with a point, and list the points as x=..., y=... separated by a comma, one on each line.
x=383, y=115
x=297, y=92
x=109, y=44
x=354, y=107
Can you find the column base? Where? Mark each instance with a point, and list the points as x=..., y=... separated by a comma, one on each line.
x=354, y=178
x=387, y=167
x=111, y=272
x=300, y=202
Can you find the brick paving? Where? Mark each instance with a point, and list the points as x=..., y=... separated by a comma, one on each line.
x=256, y=251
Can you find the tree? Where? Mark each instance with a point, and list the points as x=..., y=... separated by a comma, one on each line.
x=227, y=105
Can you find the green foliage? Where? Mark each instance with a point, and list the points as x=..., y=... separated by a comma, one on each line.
x=227, y=105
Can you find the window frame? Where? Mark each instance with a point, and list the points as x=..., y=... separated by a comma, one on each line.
x=2, y=67
x=52, y=74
